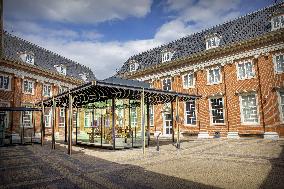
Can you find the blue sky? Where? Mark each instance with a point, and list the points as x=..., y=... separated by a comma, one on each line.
x=103, y=34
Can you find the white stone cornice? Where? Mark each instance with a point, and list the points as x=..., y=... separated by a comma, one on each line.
x=223, y=60
x=38, y=78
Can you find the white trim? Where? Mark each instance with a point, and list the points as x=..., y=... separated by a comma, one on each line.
x=10, y=82
x=210, y=110
x=42, y=79
x=31, y=121
x=165, y=54
x=243, y=62
x=241, y=109
x=185, y=115
x=275, y=64
x=7, y=113
x=47, y=85
x=223, y=60
x=50, y=118
x=33, y=87
x=281, y=116
x=164, y=125
x=280, y=23
x=162, y=80
x=60, y=124
x=217, y=41
x=193, y=82
x=220, y=74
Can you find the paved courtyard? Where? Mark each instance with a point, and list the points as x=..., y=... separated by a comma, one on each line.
x=215, y=163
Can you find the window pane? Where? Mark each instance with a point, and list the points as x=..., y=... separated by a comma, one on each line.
x=190, y=113
x=249, y=109
x=217, y=110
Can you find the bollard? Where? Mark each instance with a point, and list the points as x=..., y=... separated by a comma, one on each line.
x=157, y=139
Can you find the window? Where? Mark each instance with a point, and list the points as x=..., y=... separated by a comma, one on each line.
x=61, y=69
x=249, y=108
x=62, y=89
x=27, y=57
x=133, y=67
x=214, y=76
x=27, y=117
x=28, y=87
x=84, y=76
x=5, y=116
x=76, y=120
x=279, y=63
x=188, y=80
x=217, y=110
x=245, y=70
x=133, y=117
x=48, y=117
x=167, y=84
x=5, y=82
x=46, y=90
x=120, y=113
x=212, y=42
x=151, y=112
x=281, y=105
x=62, y=117
x=88, y=118
x=277, y=22
x=166, y=56
x=190, y=115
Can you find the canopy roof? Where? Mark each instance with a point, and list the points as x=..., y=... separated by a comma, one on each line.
x=18, y=109
x=100, y=91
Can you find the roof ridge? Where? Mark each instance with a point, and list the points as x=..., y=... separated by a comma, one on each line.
x=47, y=50
x=206, y=29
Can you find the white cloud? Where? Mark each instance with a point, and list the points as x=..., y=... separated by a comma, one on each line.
x=76, y=11
x=85, y=47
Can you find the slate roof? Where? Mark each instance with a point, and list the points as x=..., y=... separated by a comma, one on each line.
x=240, y=29
x=127, y=82
x=43, y=58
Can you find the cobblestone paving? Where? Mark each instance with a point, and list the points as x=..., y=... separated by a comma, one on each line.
x=215, y=163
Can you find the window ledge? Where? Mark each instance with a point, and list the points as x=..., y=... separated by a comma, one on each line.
x=192, y=87
x=5, y=89
x=190, y=125
x=246, y=78
x=250, y=124
x=214, y=83
x=218, y=124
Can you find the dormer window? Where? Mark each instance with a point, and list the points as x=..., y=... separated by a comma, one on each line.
x=167, y=56
x=212, y=41
x=133, y=66
x=277, y=22
x=27, y=57
x=83, y=76
x=61, y=69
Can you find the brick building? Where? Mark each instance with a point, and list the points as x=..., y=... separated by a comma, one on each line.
x=29, y=74
x=237, y=67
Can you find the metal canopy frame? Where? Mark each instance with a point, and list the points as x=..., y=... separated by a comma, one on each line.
x=96, y=91
x=99, y=91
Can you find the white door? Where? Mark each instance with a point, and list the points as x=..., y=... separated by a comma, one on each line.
x=168, y=124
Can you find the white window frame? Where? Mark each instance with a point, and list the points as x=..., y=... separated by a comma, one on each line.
x=280, y=17
x=281, y=116
x=185, y=116
x=61, y=69
x=170, y=81
x=62, y=89
x=238, y=71
x=89, y=112
x=48, y=115
x=33, y=86
x=61, y=124
x=30, y=113
x=193, y=80
x=6, y=104
x=133, y=69
x=43, y=90
x=210, y=109
x=275, y=63
x=220, y=74
x=241, y=109
x=217, y=41
x=120, y=117
x=152, y=113
x=133, y=122
x=167, y=56
x=9, y=85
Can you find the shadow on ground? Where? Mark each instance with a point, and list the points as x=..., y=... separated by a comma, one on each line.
x=275, y=179
x=40, y=167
